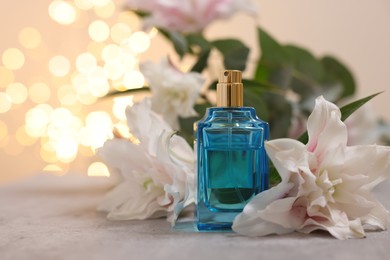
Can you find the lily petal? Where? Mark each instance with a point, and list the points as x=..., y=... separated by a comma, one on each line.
x=119, y=151
x=250, y=223
x=286, y=154
x=325, y=128
x=379, y=216
x=140, y=203
x=145, y=124
x=340, y=230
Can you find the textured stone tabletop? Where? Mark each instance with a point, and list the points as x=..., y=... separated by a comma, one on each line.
x=50, y=217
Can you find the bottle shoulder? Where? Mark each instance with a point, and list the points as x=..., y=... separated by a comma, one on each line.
x=235, y=117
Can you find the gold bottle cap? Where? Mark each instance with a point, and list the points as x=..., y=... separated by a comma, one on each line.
x=230, y=89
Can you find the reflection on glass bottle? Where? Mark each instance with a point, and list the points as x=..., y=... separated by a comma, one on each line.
x=232, y=165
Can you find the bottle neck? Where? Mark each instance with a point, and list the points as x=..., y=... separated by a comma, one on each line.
x=230, y=95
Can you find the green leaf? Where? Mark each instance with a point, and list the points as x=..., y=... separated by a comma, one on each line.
x=304, y=62
x=304, y=86
x=197, y=40
x=187, y=128
x=253, y=98
x=213, y=85
x=346, y=111
x=200, y=47
x=201, y=64
x=187, y=124
x=274, y=177
x=263, y=86
x=304, y=138
x=279, y=114
x=296, y=68
x=178, y=40
x=274, y=58
x=336, y=71
x=306, y=73
x=349, y=109
x=234, y=52
x=141, y=14
x=126, y=92
x=272, y=53
x=307, y=77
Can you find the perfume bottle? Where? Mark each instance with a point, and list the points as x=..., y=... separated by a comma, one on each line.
x=232, y=164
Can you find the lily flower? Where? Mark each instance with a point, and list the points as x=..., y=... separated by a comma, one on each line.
x=156, y=167
x=174, y=92
x=326, y=185
x=188, y=15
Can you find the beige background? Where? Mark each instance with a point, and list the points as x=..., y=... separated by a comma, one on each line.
x=356, y=31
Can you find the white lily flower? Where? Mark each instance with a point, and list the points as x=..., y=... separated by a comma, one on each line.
x=174, y=92
x=325, y=184
x=189, y=15
x=155, y=178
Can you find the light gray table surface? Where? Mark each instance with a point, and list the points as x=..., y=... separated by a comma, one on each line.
x=48, y=217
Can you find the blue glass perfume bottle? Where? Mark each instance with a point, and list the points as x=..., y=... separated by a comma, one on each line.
x=231, y=161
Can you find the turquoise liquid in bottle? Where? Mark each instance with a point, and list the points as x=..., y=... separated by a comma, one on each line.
x=232, y=164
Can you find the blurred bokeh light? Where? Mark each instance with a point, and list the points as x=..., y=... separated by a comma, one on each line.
x=58, y=124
